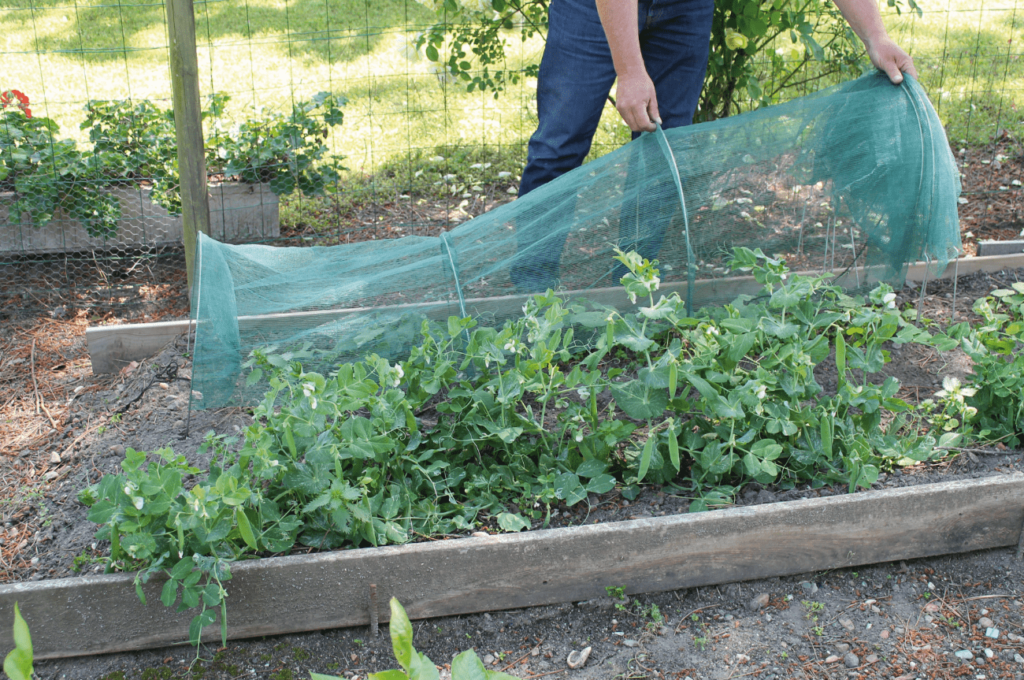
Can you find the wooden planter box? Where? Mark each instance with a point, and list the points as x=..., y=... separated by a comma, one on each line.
x=271, y=596
x=239, y=213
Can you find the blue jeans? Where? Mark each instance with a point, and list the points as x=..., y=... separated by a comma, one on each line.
x=576, y=75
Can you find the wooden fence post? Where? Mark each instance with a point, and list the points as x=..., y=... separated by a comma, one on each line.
x=188, y=125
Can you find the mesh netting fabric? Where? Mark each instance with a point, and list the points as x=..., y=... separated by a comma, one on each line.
x=857, y=179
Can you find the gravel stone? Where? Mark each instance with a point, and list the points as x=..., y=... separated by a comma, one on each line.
x=985, y=622
x=847, y=624
x=758, y=602
x=964, y=654
x=851, y=660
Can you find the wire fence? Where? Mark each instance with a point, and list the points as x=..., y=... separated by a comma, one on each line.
x=340, y=128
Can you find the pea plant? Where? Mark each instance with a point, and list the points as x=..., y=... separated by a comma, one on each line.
x=499, y=424
x=738, y=387
x=992, y=400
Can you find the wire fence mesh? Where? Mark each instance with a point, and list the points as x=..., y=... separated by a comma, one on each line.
x=343, y=131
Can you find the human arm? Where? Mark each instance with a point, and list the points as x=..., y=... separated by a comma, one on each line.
x=635, y=98
x=866, y=22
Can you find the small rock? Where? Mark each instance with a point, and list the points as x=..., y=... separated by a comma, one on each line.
x=842, y=648
x=832, y=658
x=117, y=450
x=964, y=654
x=489, y=659
x=178, y=424
x=758, y=602
x=992, y=633
x=22, y=545
x=809, y=588
x=481, y=534
x=34, y=561
x=989, y=653
x=1013, y=637
x=1018, y=658
x=875, y=610
x=985, y=622
x=851, y=660
x=630, y=643
x=742, y=658
x=163, y=386
x=931, y=607
x=871, y=658
x=54, y=457
x=884, y=635
x=580, y=659
x=847, y=624
x=535, y=651
x=51, y=475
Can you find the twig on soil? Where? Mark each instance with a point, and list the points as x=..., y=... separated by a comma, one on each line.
x=32, y=363
x=540, y=675
x=688, y=615
x=80, y=438
x=986, y=597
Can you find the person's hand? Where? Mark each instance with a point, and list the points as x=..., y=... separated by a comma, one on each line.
x=637, y=102
x=887, y=56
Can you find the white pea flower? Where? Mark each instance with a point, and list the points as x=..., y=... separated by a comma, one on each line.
x=890, y=300
x=952, y=388
x=584, y=392
x=503, y=174
x=762, y=392
x=579, y=436
x=138, y=502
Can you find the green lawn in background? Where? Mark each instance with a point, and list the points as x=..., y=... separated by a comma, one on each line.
x=267, y=52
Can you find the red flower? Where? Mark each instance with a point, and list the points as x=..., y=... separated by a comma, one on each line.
x=8, y=97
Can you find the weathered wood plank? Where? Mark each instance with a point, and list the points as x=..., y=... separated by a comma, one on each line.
x=98, y=614
x=986, y=248
x=109, y=354
x=111, y=348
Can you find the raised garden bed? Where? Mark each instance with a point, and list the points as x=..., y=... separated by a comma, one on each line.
x=239, y=213
x=671, y=534
x=99, y=614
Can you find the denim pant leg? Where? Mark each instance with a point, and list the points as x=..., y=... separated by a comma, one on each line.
x=576, y=74
x=674, y=40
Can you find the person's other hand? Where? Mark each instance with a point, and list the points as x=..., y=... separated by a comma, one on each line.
x=887, y=56
x=637, y=102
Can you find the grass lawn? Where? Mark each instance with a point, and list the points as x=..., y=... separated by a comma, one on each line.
x=268, y=52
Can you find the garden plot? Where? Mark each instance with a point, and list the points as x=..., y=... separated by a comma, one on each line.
x=962, y=537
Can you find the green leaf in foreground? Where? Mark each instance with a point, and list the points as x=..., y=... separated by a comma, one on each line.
x=18, y=663
x=510, y=521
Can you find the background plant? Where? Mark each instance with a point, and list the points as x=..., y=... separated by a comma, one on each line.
x=46, y=173
x=757, y=49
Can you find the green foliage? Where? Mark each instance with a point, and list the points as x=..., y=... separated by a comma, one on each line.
x=757, y=49
x=502, y=423
x=286, y=152
x=415, y=665
x=758, y=413
x=136, y=142
x=46, y=173
x=18, y=662
x=994, y=394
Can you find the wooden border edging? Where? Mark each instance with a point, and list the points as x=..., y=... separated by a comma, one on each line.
x=113, y=347
x=99, y=614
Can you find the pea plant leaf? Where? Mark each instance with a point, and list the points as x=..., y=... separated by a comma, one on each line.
x=18, y=663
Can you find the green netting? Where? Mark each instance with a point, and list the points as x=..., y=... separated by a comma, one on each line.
x=857, y=179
